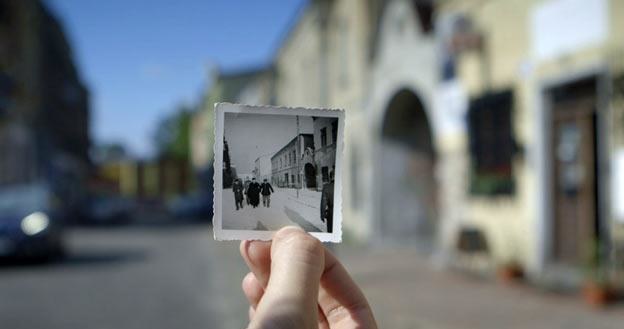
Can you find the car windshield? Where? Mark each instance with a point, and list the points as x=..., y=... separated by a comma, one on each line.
x=22, y=198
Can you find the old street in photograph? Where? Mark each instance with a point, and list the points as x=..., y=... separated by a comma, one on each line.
x=278, y=170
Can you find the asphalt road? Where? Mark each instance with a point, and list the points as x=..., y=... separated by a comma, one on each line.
x=177, y=276
x=147, y=276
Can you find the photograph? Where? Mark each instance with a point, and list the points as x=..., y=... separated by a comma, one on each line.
x=277, y=167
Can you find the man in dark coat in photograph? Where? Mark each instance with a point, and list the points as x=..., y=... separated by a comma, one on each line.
x=266, y=189
x=327, y=203
x=247, y=182
x=237, y=188
x=253, y=193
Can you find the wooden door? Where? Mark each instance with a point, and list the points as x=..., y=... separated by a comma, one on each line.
x=574, y=161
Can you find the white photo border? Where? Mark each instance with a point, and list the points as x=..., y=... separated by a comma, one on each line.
x=220, y=109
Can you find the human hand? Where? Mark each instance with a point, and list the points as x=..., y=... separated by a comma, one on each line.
x=295, y=282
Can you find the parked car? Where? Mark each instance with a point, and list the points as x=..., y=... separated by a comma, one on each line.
x=196, y=206
x=31, y=222
x=108, y=209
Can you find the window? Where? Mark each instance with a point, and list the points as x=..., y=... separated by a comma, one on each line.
x=335, y=131
x=323, y=137
x=325, y=173
x=286, y=178
x=491, y=144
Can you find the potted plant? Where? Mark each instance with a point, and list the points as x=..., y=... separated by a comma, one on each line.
x=511, y=270
x=597, y=290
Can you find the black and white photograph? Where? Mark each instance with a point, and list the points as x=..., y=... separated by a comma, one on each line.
x=277, y=167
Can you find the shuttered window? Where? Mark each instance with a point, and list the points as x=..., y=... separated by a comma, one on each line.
x=492, y=145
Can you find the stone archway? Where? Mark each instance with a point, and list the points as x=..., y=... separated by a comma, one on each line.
x=406, y=173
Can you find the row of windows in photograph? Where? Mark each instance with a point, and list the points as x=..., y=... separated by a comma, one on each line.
x=289, y=159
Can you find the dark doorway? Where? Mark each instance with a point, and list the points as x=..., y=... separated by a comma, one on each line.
x=407, y=184
x=574, y=157
x=310, y=175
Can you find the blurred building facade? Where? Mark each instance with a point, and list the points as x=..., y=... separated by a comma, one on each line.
x=44, y=105
x=539, y=145
x=496, y=117
x=255, y=86
x=148, y=181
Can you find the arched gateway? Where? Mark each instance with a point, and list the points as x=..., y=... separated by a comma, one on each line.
x=406, y=173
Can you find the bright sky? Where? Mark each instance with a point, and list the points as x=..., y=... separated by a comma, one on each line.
x=141, y=58
x=250, y=136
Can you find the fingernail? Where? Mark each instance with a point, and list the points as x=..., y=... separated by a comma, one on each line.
x=247, y=248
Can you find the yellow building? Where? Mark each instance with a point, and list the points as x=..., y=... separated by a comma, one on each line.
x=323, y=61
x=542, y=142
x=500, y=117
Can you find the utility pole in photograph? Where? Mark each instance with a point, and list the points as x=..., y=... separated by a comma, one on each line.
x=298, y=145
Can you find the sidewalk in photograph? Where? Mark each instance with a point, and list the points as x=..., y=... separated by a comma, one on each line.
x=286, y=209
x=308, y=204
x=406, y=291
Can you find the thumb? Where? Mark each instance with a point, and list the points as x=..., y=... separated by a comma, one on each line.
x=291, y=296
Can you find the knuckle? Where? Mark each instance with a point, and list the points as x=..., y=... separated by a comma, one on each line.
x=296, y=240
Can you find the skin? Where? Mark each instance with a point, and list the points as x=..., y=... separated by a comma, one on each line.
x=295, y=282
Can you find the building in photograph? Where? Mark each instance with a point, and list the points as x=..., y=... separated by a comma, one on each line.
x=286, y=164
x=262, y=168
x=534, y=165
x=44, y=104
x=325, y=143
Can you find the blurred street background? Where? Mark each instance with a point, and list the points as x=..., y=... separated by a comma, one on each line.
x=483, y=181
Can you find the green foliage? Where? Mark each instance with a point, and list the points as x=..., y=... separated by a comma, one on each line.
x=172, y=138
x=595, y=268
x=491, y=184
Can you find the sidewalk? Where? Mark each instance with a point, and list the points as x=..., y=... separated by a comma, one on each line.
x=406, y=291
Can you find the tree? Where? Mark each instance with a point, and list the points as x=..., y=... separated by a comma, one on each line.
x=172, y=136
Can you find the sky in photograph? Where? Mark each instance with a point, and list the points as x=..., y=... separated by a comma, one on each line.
x=142, y=58
x=250, y=136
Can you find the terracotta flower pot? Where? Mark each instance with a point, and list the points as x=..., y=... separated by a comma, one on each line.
x=596, y=295
x=510, y=273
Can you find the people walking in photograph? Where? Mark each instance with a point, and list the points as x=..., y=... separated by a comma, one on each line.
x=327, y=203
x=253, y=193
x=237, y=188
x=247, y=182
x=266, y=189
